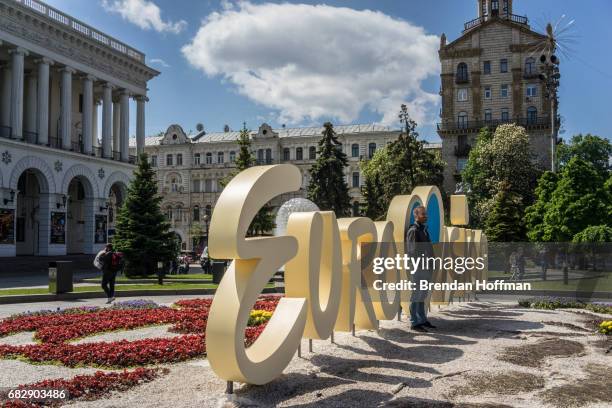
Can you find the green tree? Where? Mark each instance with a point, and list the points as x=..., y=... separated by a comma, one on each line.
x=579, y=201
x=263, y=222
x=503, y=157
x=142, y=231
x=534, y=214
x=505, y=220
x=590, y=148
x=576, y=203
x=594, y=233
x=398, y=168
x=328, y=188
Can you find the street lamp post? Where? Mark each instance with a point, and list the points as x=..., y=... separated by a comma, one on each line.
x=550, y=76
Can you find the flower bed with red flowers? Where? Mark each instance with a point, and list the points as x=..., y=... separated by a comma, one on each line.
x=87, y=387
x=54, y=330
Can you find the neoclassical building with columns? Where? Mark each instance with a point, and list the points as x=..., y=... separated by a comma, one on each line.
x=60, y=81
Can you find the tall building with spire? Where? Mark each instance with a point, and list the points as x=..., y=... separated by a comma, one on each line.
x=490, y=76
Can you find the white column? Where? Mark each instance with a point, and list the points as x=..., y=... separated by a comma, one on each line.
x=29, y=124
x=116, y=127
x=140, y=123
x=66, y=108
x=42, y=111
x=124, y=132
x=89, y=228
x=45, y=205
x=88, y=81
x=94, y=115
x=107, y=120
x=17, y=60
x=5, y=115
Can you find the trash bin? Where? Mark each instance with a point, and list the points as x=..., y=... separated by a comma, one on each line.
x=218, y=269
x=60, y=277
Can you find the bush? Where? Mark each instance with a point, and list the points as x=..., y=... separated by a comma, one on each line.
x=551, y=303
x=605, y=327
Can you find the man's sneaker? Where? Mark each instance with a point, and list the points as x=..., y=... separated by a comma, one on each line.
x=108, y=301
x=419, y=328
x=429, y=325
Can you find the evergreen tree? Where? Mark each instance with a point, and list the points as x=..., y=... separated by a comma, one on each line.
x=142, y=231
x=328, y=188
x=504, y=223
x=398, y=168
x=264, y=220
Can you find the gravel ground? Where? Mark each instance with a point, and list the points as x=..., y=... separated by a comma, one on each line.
x=463, y=363
x=457, y=365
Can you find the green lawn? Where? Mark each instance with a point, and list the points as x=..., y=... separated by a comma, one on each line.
x=153, y=278
x=166, y=286
x=118, y=288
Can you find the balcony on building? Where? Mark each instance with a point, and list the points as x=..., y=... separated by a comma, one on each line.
x=474, y=125
x=523, y=20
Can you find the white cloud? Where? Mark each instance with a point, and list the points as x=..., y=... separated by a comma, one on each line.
x=145, y=14
x=309, y=62
x=160, y=62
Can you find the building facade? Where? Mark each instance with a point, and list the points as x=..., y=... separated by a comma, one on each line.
x=490, y=76
x=59, y=178
x=189, y=169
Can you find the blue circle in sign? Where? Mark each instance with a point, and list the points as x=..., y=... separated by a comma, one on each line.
x=433, y=218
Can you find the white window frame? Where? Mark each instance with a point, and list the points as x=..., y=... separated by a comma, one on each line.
x=504, y=88
x=532, y=90
x=489, y=91
x=462, y=94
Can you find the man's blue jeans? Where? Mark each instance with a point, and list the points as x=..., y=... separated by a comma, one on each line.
x=418, y=313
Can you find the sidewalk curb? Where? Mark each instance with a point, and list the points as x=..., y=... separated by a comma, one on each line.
x=5, y=300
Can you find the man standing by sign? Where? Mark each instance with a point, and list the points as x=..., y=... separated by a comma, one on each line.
x=418, y=243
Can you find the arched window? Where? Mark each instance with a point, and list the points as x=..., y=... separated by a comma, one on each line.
x=220, y=157
x=286, y=154
x=196, y=159
x=462, y=72
x=196, y=213
x=356, y=209
x=530, y=66
x=355, y=150
x=169, y=213
x=208, y=210
x=462, y=120
x=299, y=154
x=532, y=115
x=174, y=184
x=208, y=158
x=312, y=152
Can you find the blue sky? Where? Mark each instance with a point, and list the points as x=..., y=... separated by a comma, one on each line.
x=304, y=63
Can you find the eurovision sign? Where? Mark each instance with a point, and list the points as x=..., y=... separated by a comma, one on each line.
x=322, y=255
